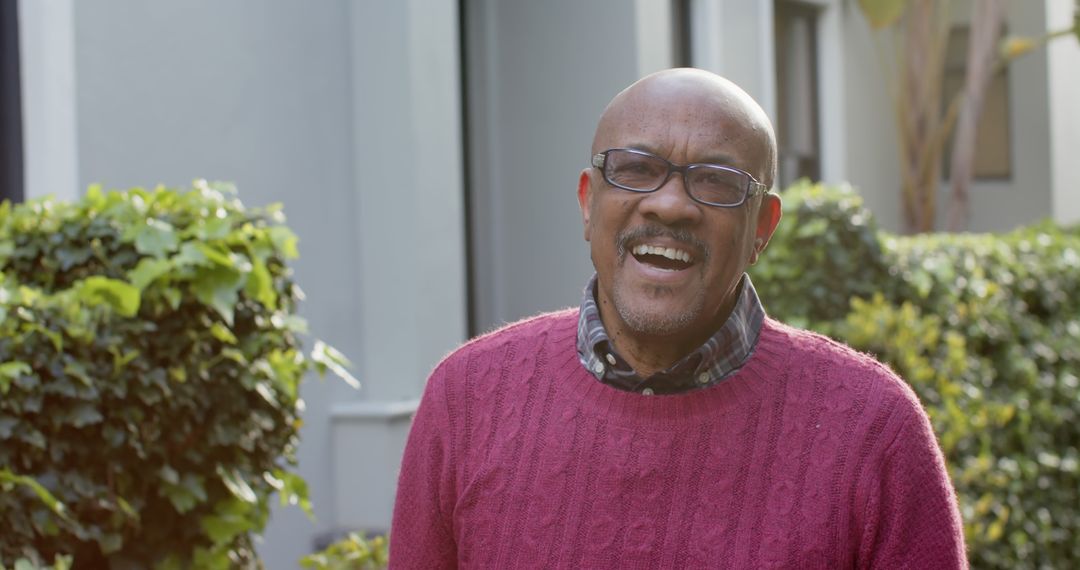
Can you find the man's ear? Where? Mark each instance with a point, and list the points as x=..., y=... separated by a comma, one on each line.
x=584, y=194
x=769, y=213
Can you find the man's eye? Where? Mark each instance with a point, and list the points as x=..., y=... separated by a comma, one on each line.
x=718, y=178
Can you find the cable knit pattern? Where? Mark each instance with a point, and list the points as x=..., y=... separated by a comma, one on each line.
x=811, y=456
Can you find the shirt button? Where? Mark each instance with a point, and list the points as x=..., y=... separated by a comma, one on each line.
x=598, y=367
x=703, y=378
x=647, y=392
x=611, y=359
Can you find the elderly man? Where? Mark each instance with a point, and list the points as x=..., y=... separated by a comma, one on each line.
x=668, y=422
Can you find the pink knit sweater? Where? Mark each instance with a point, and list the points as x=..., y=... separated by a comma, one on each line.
x=811, y=456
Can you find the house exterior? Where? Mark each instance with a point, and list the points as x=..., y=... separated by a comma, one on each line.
x=427, y=153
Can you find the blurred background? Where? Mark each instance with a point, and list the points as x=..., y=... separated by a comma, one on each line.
x=427, y=154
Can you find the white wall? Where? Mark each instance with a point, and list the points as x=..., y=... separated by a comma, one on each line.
x=872, y=159
x=46, y=38
x=734, y=38
x=540, y=74
x=1064, y=82
x=407, y=161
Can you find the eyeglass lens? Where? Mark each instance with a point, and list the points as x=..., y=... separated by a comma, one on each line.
x=645, y=173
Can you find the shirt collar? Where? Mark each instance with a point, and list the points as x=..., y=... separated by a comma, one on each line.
x=720, y=356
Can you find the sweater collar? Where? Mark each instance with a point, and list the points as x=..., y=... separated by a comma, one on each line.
x=721, y=355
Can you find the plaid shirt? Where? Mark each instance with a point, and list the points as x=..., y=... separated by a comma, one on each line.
x=723, y=354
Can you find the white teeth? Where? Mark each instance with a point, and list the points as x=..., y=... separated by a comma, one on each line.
x=668, y=252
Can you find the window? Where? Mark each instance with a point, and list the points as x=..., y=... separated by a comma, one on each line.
x=993, y=153
x=11, y=162
x=797, y=109
x=680, y=33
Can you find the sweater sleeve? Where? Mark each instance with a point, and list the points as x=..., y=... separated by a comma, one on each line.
x=421, y=534
x=913, y=520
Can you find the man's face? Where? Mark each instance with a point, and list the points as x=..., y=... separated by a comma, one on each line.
x=668, y=266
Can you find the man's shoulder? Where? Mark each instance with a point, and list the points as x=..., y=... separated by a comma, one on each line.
x=841, y=364
x=520, y=337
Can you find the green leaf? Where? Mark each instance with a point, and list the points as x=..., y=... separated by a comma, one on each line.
x=190, y=255
x=237, y=485
x=218, y=288
x=173, y=296
x=122, y=297
x=223, y=528
x=293, y=323
x=260, y=285
x=84, y=414
x=209, y=229
x=222, y=333
x=293, y=489
x=216, y=255
x=284, y=241
x=77, y=370
x=169, y=475
x=187, y=493
x=148, y=270
x=155, y=238
x=171, y=562
x=327, y=357
x=286, y=368
x=882, y=13
x=9, y=371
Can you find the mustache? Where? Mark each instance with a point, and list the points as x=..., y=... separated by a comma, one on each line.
x=699, y=247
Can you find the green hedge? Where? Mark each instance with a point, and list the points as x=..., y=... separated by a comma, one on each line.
x=986, y=329
x=352, y=552
x=149, y=372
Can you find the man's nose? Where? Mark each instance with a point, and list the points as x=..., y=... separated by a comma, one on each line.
x=671, y=203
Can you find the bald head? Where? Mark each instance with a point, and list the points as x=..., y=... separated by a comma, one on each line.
x=717, y=110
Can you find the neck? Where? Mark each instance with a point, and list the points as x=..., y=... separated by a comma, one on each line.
x=647, y=353
x=647, y=357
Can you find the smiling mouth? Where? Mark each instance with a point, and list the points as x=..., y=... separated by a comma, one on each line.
x=664, y=258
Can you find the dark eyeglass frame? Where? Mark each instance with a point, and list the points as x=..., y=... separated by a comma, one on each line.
x=752, y=188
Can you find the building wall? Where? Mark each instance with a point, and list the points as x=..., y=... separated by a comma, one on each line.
x=1064, y=83
x=540, y=74
x=47, y=50
x=998, y=205
x=872, y=153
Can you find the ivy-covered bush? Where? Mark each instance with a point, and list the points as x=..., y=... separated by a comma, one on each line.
x=825, y=251
x=986, y=329
x=353, y=552
x=149, y=372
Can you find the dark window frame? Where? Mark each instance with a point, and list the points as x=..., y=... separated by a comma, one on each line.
x=11, y=139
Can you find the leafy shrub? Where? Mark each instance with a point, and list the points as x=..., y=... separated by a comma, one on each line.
x=149, y=372
x=354, y=552
x=986, y=329
x=825, y=251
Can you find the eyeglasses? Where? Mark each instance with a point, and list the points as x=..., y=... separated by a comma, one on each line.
x=711, y=184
